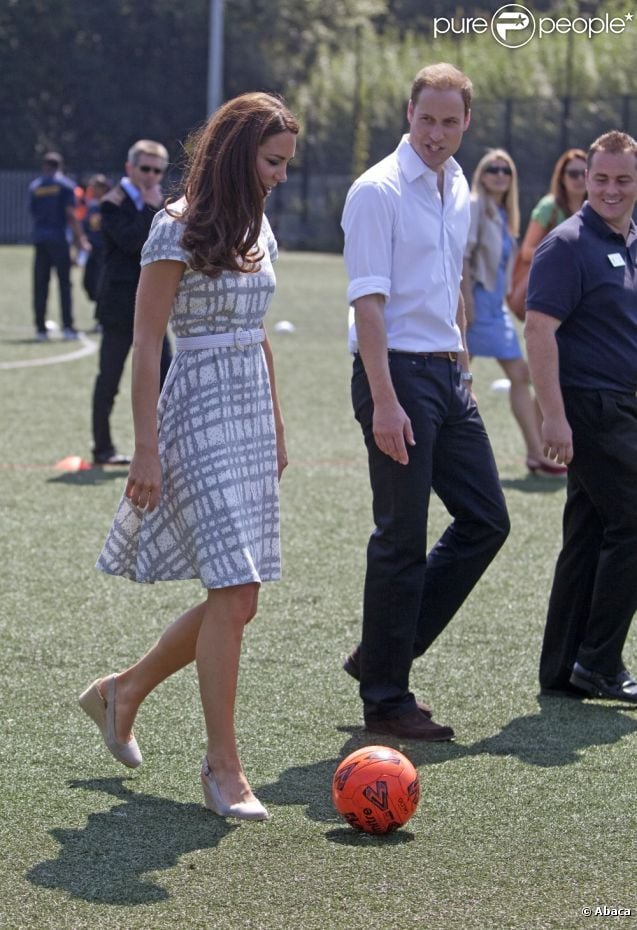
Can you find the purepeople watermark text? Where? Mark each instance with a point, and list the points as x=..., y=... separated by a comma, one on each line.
x=514, y=25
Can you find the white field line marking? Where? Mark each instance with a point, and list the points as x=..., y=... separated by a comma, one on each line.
x=88, y=348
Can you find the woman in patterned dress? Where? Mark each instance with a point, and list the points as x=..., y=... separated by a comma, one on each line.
x=201, y=499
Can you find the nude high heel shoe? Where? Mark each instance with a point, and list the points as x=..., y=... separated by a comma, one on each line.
x=244, y=810
x=102, y=711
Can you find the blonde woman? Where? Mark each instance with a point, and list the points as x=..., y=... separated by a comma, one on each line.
x=495, y=226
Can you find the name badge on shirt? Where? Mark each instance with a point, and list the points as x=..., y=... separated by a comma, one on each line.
x=616, y=260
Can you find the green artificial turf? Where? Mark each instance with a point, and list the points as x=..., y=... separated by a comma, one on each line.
x=526, y=819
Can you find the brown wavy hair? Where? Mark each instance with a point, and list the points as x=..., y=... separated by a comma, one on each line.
x=224, y=197
x=557, y=187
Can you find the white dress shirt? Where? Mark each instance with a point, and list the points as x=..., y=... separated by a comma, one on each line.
x=406, y=242
x=133, y=192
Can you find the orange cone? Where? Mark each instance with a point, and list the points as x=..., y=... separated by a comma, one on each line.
x=73, y=463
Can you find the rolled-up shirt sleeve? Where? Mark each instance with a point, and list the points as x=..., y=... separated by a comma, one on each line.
x=368, y=222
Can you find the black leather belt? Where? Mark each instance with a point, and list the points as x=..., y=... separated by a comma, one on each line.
x=449, y=356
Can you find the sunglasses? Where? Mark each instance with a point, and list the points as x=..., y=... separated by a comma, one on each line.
x=575, y=173
x=498, y=169
x=147, y=168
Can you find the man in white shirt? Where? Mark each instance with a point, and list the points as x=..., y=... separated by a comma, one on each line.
x=406, y=222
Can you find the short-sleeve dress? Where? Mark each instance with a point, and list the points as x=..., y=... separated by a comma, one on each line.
x=218, y=516
x=492, y=333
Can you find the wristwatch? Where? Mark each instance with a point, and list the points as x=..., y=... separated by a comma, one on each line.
x=467, y=377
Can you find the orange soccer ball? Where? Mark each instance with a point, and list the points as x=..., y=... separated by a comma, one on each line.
x=376, y=789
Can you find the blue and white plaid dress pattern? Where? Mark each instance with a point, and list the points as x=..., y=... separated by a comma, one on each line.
x=218, y=517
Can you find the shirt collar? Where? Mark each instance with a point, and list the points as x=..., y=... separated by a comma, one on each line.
x=133, y=192
x=412, y=165
x=593, y=219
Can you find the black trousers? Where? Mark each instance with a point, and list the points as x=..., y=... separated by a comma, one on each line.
x=116, y=344
x=594, y=593
x=410, y=596
x=93, y=272
x=50, y=255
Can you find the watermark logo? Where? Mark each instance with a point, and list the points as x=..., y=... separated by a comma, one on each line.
x=513, y=25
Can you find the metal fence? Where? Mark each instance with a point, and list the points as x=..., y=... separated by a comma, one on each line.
x=15, y=222
x=306, y=211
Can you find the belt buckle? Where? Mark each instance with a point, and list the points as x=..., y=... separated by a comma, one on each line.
x=237, y=339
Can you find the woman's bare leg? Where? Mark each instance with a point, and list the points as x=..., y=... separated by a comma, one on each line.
x=174, y=649
x=226, y=613
x=523, y=405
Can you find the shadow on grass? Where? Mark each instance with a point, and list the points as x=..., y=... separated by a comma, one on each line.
x=556, y=736
x=105, y=861
x=531, y=485
x=347, y=836
x=31, y=341
x=310, y=786
x=90, y=477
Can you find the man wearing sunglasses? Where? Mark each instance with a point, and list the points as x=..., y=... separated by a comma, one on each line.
x=127, y=213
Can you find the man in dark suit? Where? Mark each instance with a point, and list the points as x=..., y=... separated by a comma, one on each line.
x=127, y=213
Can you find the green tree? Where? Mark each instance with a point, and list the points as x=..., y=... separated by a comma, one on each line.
x=97, y=77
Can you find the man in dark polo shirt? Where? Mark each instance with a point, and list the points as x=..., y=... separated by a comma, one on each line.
x=581, y=333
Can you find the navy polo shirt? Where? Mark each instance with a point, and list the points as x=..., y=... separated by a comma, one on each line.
x=584, y=274
x=49, y=198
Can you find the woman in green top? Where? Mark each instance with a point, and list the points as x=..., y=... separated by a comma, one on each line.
x=566, y=196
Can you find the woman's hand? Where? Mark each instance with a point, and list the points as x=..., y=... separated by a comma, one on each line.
x=143, y=487
x=281, y=451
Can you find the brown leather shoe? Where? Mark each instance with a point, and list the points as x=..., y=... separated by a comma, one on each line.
x=352, y=665
x=412, y=725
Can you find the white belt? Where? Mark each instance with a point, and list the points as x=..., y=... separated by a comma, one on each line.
x=239, y=339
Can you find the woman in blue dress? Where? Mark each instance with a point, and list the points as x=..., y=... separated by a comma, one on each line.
x=491, y=248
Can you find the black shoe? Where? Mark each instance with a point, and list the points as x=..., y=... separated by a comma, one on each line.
x=114, y=459
x=352, y=666
x=621, y=687
x=412, y=725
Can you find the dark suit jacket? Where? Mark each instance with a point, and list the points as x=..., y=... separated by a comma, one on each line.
x=125, y=230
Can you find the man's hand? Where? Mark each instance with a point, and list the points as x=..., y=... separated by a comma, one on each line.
x=558, y=439
x=154, y=196
x=392, y=431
